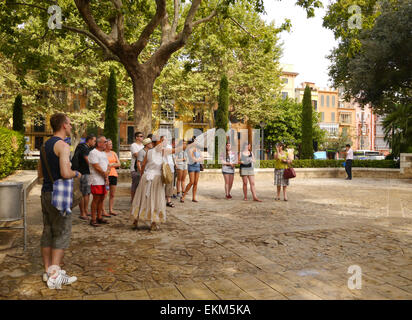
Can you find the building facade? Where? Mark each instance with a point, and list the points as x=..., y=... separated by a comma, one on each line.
x=288, y=81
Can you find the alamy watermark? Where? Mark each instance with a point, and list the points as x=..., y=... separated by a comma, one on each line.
x=355, y=281
x=55, y=21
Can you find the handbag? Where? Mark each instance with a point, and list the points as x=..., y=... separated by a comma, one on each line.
x=167, y=175
x=77, y=194
x=202, y=168
x=289, y=173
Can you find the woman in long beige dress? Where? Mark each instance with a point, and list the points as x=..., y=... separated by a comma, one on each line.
x=149, y=202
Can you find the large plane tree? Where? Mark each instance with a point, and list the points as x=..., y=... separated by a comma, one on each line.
x=141, y=35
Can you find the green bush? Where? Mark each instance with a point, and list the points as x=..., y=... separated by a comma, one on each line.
x=29, y=164
x=311, y=163
x=11, y=151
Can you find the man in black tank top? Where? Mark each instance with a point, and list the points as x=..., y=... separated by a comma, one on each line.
x=56, y=228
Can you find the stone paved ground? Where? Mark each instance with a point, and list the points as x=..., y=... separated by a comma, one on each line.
x=231, y=249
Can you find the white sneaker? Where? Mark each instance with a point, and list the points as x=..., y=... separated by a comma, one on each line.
x=61, y=279
x=46, y=275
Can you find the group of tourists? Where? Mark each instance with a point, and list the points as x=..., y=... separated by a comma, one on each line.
x=149, y=195
x=95, y=164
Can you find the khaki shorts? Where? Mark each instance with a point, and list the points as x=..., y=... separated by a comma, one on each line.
x=169, y=189
x=57, y=229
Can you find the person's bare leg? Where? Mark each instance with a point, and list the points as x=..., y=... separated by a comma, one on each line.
x=278, y=192
x=111, y=199
x=86, y=204
x=284, y=193
x=196, y=180
x=81, y=207
x=104, y=212
x=244, y=178
x=94, y=207
x=231, y=178
x=189, y=185
x=100, y=207
x=184, y=180
x=226, y=177
x=57, y=256
x=253, y=188
x=47, y=257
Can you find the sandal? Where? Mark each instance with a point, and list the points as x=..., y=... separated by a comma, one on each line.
x=113, y=214
x=277, y=199
x=170, y=204
x=107, y=216
x=182, y=200
x=257, y=200
x=195, y=201
x=101, y=221
x=94, y=223
x=84, y=218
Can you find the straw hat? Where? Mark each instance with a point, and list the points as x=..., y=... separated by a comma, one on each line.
x=146, y=141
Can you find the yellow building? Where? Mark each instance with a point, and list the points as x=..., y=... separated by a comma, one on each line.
x=288, y=81
x=347, y=118
x=328, y=100
x=301, y=90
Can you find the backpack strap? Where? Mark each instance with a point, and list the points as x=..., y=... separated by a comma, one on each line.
x=44, y=161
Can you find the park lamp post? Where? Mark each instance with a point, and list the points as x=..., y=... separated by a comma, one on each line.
x=263, y=124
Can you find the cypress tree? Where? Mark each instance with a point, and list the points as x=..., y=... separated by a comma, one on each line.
x=111, y=116
x=222, y=113
x=18, y=124
x=307, y=143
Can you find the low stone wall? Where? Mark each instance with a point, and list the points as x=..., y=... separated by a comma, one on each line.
x=301, y=173
x=406, y=164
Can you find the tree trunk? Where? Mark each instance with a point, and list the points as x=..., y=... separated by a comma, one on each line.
x=142, y=101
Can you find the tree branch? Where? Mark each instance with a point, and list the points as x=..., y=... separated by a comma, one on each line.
x=210, y=17
x=119, y=21
x=29, y=5
x=84, y=8
x=241, y=27
x=176, y=17
x=106, y=50
x=140, y=44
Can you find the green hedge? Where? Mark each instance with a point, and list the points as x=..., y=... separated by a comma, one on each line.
x=310, y=163
x=11, y=151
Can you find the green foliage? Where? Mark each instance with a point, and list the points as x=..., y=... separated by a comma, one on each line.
x=250, y=62
x=311, y=163
x=11, y=151
x=337, y=143
x=397, y=126
x=111, y=126
x=307, y=140
x=372, y=63
x=222, y=114
x=286, y=125
x=18, y=124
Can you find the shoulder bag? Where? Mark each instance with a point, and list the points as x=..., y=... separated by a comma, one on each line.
x=167, y=175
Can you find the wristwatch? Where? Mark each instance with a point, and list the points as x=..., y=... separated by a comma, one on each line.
x=77, y=174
